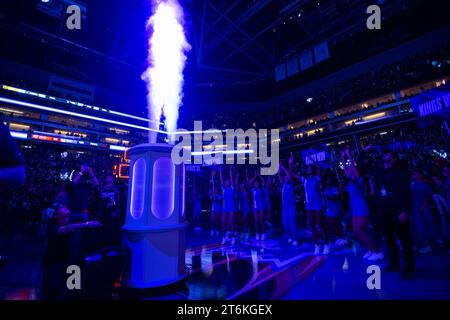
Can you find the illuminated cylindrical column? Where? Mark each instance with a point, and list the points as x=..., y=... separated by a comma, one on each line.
x=154, y=230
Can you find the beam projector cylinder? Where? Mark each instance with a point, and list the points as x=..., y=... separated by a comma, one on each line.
x=154, y=230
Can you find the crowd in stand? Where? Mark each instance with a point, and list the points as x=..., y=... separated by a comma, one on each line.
x=49, y=172
x=388, y=79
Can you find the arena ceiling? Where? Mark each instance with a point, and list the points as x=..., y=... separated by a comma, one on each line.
x=249, y=38
x=235, y=42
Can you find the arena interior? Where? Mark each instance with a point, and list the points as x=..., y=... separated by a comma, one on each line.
x=336, y=185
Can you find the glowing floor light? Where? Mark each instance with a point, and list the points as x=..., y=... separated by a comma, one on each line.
x=167, y=49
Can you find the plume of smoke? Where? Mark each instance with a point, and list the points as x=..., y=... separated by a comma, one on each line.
x=167, y=50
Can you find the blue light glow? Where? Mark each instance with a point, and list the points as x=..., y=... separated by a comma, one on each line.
x=138, y=188
x=117, y=148
x=79, y=104
x=19, y=135
x=201, y=153
x=163, y=188
x=75, y=114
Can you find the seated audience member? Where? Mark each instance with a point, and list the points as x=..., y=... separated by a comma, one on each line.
x=58, y=255
x=62, y=197
x=108, y=211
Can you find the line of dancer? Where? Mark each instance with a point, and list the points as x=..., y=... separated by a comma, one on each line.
x=240, y=203
x=237, y=201
x=244, y=203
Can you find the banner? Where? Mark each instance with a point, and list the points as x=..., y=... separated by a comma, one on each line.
x=280, y=72
x=306, y=60
x=317, y=155
x=432, y=105
x=292, y=66
x=321, y=52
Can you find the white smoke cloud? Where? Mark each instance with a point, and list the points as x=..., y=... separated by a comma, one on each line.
x=167, y=50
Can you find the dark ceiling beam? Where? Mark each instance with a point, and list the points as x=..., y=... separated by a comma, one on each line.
x=235, y=25
x=39, y=35
x=248, y=55
x=262, y=31
x=348, y=23
x=213, y=25
x=201, y=34
x=231, y=70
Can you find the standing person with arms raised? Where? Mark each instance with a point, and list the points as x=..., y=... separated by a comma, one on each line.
x=244, y=208
x=333, y=210
x=288, y=204
x=216, y=206
x=359, y=207
x=314, y=205
x=228, y=207
x=258, y=207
